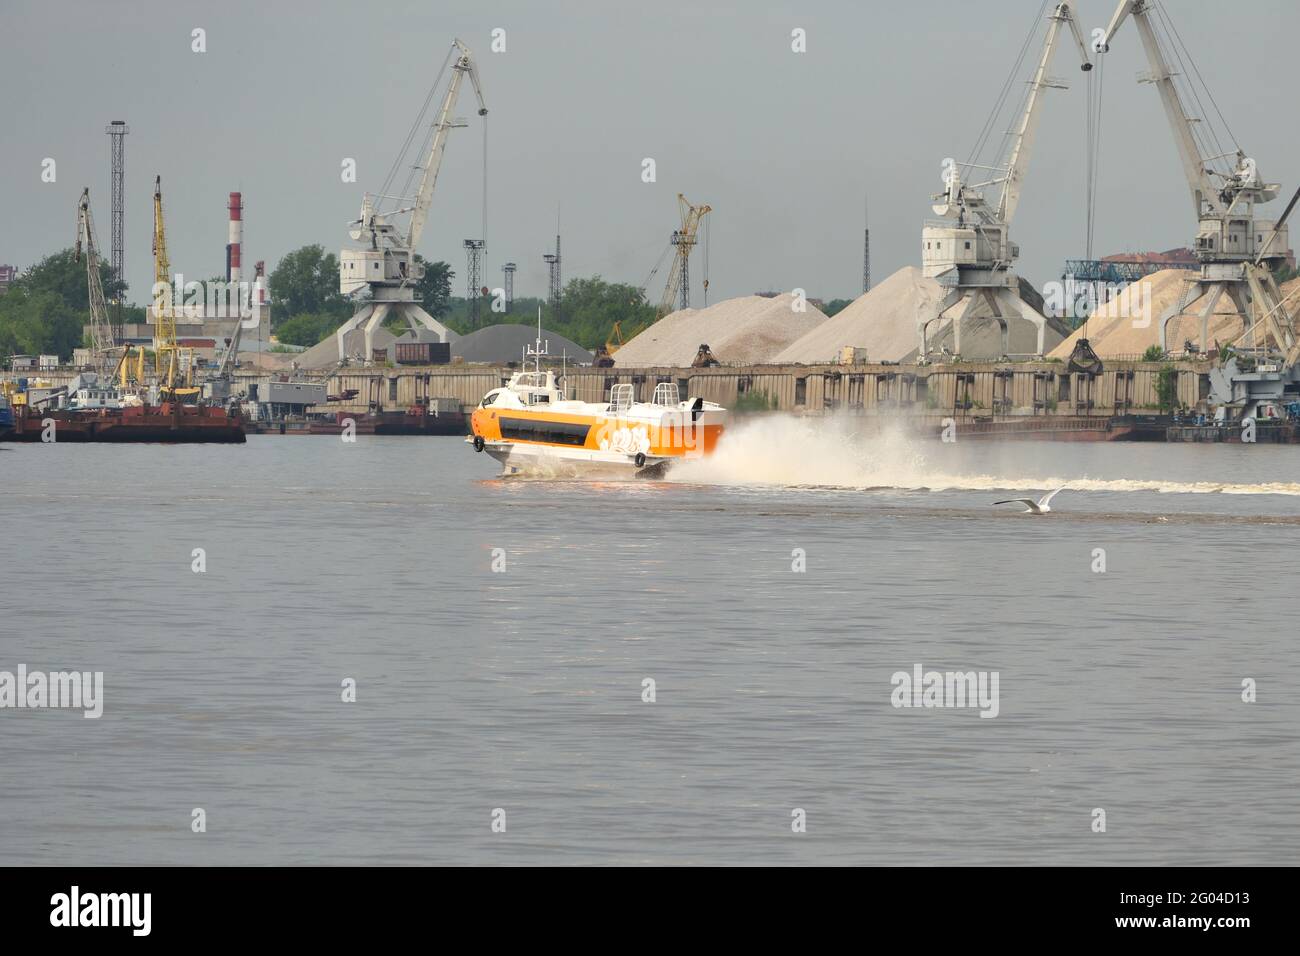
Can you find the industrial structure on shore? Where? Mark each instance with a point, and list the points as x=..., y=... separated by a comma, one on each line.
x=1206, y=333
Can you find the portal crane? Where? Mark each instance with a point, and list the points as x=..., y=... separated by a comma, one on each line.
x=1237, y=251
x=102, y=344
x=386, y=266
x=968, y=249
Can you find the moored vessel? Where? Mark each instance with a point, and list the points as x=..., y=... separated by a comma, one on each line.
x=168, y=422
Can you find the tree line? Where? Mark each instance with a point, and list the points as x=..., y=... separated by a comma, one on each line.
x=46, y=309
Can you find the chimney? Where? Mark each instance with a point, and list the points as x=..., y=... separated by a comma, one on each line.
x=236, y=208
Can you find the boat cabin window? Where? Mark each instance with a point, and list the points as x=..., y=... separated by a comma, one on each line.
x=489, y=398
x=538, y=398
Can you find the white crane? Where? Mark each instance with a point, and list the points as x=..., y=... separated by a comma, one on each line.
x=1236, y=250
x=968, y=250
x=386, y=267
x=102, y=343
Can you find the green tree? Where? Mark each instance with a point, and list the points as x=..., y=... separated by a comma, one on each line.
x=834, y=305
x=308, y=328
x=38, y=322
x=1154, y=353
x=590, y=307
x=1167, y=388
x=434, y=289
x=307, y=282
x=1285, y=273
x=63, y=275
x=588, y=310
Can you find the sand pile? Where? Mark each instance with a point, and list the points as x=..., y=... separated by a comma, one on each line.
x=883, y=321
x=748, y=330
x=1129, y=324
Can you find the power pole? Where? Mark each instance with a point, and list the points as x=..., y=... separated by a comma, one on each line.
x=554, y=262
x=866, y=250
x=508, y=286
x=117, y=131
x=474, y=252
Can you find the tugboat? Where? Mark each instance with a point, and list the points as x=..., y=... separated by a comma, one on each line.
x=531, y=427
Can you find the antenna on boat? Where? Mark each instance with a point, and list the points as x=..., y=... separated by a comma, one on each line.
x=539, y=348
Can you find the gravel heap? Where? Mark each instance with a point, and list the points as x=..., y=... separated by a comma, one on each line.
x=1111, y=332
x=883, y=322
x=499, y=344
x=749, y=330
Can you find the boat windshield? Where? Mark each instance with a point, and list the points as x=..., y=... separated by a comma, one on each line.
x=531, y=380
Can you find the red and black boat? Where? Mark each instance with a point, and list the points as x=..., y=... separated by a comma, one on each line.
x=172, y=422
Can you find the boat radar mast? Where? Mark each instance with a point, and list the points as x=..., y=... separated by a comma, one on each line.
x=538, y=350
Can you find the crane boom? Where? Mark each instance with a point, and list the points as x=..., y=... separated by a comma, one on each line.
x=684, y=240
x=101, y=332
x=164, y=337
x=387, y=267
x=1205, y=198
x=1023, y=142
x=463, y=65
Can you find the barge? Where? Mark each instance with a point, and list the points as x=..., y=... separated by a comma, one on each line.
x=170, y=422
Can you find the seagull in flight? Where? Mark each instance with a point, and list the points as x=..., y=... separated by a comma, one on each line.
x=1032, y=507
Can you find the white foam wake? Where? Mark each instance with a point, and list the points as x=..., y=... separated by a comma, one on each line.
x=783, y=450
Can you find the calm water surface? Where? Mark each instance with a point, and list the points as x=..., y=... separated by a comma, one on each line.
x=522, y=690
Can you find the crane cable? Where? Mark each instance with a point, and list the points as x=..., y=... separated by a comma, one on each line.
x=706, y=261
x=1175, y=42
x=982, y=140
x=485, y=185
x=1207, y=138
x=410, y=136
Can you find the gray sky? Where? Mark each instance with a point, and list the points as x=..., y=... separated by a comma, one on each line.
x=784, y=146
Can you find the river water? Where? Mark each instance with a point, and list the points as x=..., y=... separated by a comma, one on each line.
x=520, y=688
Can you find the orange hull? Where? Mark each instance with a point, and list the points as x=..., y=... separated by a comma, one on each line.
x=680, y=438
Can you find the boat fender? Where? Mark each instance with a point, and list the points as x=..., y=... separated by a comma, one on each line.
x=478, y=442
x=639, y=460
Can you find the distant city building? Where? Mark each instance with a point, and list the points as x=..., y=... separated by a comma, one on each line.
x=7, y=275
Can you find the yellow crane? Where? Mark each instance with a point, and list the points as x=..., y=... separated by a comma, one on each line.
x=613, y=345
x=683, y=239
x=164, y=336
x=170, y=359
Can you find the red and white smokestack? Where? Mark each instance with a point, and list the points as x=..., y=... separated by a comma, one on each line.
x=236, y=208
